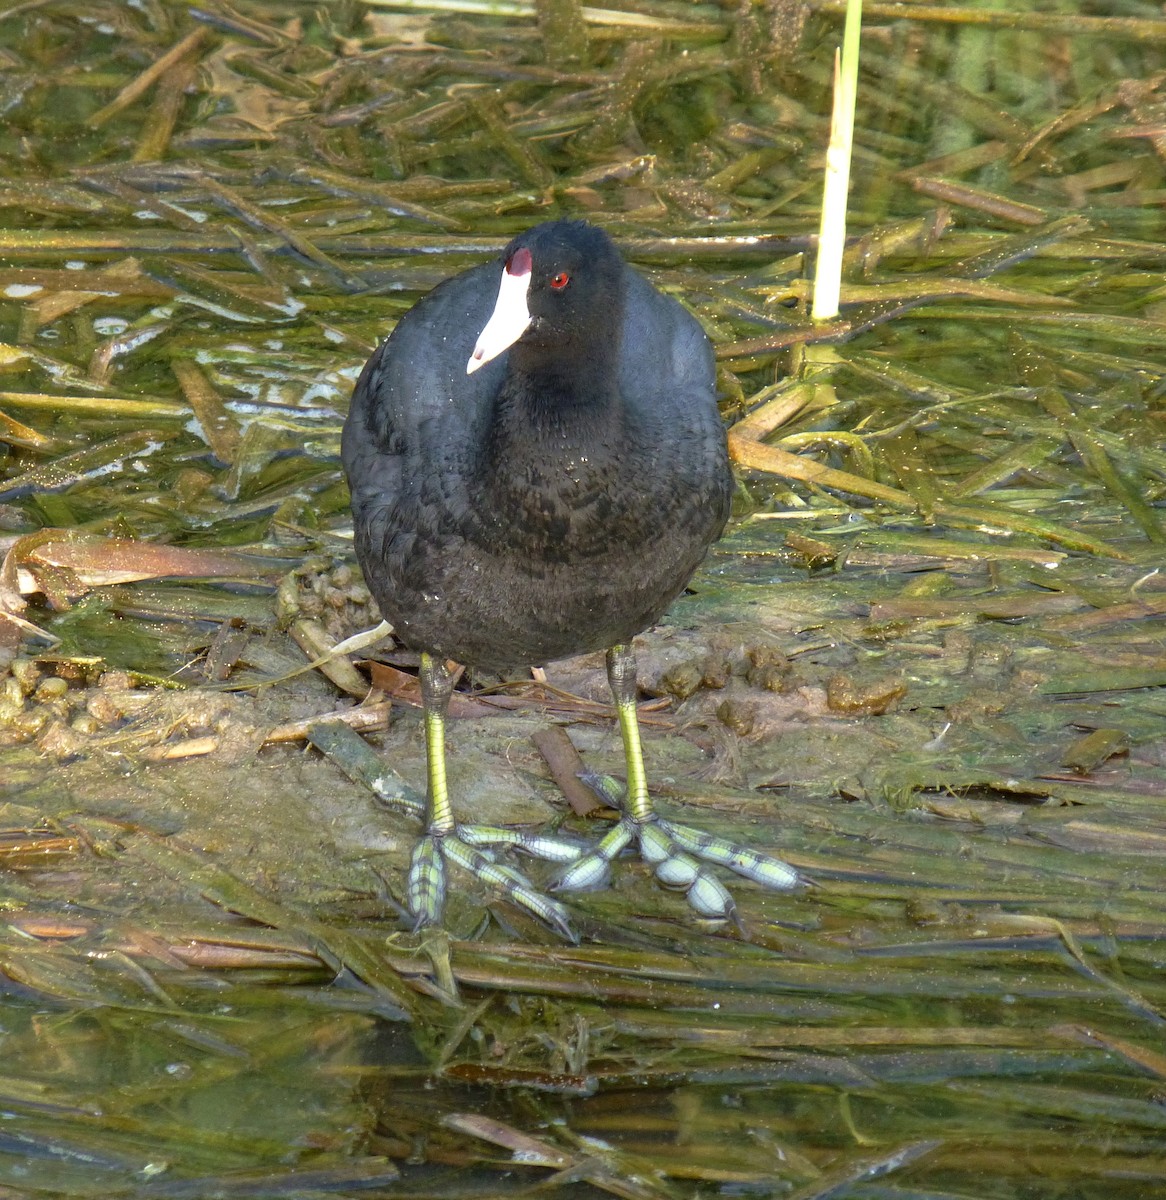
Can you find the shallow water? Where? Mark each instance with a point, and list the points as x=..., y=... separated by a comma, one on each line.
x=939, y=668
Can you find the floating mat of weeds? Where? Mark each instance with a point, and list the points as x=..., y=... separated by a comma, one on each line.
x=925, y=665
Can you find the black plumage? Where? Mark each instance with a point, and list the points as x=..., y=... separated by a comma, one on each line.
x=557, y=500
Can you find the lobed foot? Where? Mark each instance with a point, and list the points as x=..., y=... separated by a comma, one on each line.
x=469, y=847
x=676, y=853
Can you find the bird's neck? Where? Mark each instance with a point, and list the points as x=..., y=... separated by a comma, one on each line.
x=563, y=407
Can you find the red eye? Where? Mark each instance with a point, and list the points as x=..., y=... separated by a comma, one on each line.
x=560, y=281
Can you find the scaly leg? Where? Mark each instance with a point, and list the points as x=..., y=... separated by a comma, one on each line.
x=674, y=851
x=445, y=841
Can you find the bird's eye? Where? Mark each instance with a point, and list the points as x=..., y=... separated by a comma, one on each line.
x=560, y=281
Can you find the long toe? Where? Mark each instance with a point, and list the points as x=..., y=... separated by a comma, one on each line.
x=512, y=884
x=593, y=870
x=519, y=891
x=425, y=888
x=677, y=868
x=709, y=897
x=751, y=864
x=549, y=847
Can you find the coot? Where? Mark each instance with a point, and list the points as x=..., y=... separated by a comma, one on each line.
x=537, y=466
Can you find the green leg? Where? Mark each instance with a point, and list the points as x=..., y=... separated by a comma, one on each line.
x=674, y=851
x=467, y=846
x=621, y=676
x=593, y=870
x=436, y=689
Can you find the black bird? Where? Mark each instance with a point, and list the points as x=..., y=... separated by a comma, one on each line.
x=537, y=466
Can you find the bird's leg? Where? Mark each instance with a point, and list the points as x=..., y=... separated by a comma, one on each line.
x=436, y=689
x=445, y=841
x=674, y=851
x=426, y=887
x=622, y=679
